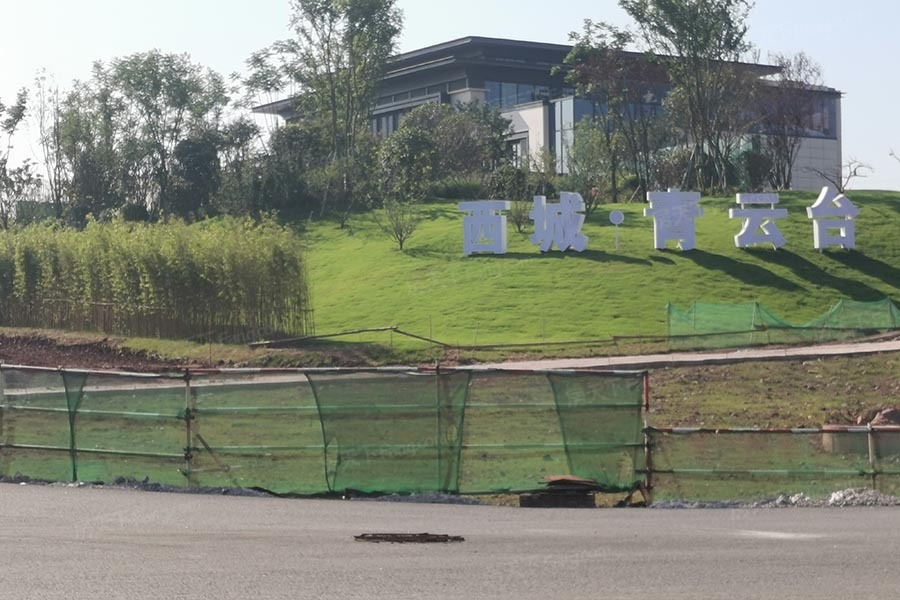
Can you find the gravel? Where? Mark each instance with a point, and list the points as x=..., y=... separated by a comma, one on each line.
x=853, y=497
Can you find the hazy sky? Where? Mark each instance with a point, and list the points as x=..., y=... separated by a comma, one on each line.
x=855, y=42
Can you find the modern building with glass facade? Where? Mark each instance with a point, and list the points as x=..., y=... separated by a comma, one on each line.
x=518, y=77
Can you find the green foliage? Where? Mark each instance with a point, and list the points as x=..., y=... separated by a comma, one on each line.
x=697, y=42
x=15, y=182
x=628, y=113
x=594, y=162
x=164, y=280
x=142, y=130
x=470, y=140
x=510, y=183
x=408, y=161
x=755, y=169
x=336, y=57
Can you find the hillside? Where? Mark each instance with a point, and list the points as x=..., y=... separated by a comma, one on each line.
x=360, y=280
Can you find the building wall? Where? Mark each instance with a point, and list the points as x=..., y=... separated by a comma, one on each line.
x=531, y=122
x=819, y=154
x=816, y=155
x=468, y=96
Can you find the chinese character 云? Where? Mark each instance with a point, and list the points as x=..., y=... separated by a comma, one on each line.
x=759, y=223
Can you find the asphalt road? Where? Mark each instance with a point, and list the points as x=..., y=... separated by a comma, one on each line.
x=78, y=543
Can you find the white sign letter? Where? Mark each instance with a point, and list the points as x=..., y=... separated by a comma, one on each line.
x=484, y=226
x=559, y=224
x=833, y=212
x=674, y=213
x=759, y=223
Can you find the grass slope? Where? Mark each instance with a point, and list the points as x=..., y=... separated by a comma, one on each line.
x=359, y=279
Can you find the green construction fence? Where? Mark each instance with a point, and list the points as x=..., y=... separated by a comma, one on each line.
x=325, y=431
x=709, y=325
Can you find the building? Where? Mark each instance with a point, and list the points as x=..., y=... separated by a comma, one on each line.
x=518, y=78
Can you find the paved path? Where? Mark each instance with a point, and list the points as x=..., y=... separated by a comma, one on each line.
x=650, y=361
x=79, y=544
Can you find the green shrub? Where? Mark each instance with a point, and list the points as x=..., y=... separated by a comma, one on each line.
x=225, y=278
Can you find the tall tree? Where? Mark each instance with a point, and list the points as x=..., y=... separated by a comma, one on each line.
x=698, y=42
x=470, y=138
x=112, y=140
x=336, y=61
x=167, y=97
x=786, y=108
x=48, y=119
x=598, y=68
x=15, y=182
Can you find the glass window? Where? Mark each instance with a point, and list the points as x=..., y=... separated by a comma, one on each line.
x=493, y=93
x=508, y=93
x=459, y=84
x=584, y=109
x=525, y=93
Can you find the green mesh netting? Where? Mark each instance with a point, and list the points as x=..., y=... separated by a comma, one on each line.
x=73, y=425
x=391, y=432
x=309, y=433
x=751, y=465
x=708, y=325
x=601, y=425
x=852, y=314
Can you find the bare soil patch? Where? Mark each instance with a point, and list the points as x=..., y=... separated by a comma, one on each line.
x=42, y=351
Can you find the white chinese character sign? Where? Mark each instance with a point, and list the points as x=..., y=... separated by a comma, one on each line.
x=674, y=214
x=759, y=222
x=833, y=220
x=484, y=226
x=560, y=223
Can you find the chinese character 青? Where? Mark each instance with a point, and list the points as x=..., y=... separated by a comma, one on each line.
x=674, y=213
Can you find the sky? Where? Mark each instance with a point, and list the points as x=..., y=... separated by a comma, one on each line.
x=855, y=43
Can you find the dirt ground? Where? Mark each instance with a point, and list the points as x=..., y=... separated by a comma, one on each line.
x=41, y=351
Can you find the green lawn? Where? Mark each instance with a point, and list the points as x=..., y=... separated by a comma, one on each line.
x=359, y=279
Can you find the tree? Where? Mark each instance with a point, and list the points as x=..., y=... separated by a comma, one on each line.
x=336, y=59
x=110, y=142
x=594, y=162
x=86, y=138
x=628, y=111
x=599, y=70
x=698, y=42
x=15, y=182
x=49, y=131
x=195, y=175
x=786, y=108
x=165, y=97
x=841, y=178
x=408, y=161
x=470, y=139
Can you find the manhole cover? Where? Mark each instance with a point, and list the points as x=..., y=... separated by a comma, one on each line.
x=409, y=538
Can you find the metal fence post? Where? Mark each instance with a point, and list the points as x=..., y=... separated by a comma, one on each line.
x=873, y=455
x=2, y=411
x=189, y=430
